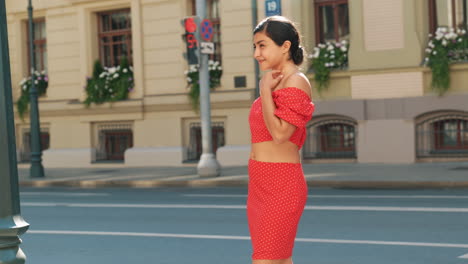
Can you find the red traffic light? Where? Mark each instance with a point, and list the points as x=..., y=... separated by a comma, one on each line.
x=190, y=25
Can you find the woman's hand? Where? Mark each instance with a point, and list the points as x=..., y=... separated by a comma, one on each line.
x=270, y=80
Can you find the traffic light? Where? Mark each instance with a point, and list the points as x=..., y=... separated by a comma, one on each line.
x=190, y=38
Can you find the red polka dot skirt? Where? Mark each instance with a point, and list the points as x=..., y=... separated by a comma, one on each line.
x=277, y=195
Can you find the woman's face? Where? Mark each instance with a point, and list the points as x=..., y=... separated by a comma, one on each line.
x=266, y=52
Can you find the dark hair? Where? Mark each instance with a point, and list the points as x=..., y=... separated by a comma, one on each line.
x=280, y=29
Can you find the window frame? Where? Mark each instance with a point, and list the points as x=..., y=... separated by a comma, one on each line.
x=318, y=18
x=40, y=46
x=112, y=33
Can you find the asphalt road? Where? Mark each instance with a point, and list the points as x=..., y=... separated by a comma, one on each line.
x=203, y=226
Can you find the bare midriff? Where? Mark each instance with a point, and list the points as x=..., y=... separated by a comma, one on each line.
x=269, y=151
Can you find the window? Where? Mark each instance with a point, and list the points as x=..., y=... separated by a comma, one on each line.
x=25, y=154
x=112, y=141
x=448, y=13
x=450, y=134
x=331, y=20
x=212, y=13
x=115, y=37
x=195, y=149
x=40, y=47
x=331, y=139
x=443, y=135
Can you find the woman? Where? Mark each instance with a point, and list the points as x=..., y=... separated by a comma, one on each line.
x=277, y=188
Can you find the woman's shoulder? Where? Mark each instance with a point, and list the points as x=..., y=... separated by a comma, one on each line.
x=300, y=81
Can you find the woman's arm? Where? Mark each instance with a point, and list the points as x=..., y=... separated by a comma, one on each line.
x=279, y=129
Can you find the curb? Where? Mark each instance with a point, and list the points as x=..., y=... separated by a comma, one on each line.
x=243, y=183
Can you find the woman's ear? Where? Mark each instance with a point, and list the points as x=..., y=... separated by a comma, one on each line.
x=286, y=46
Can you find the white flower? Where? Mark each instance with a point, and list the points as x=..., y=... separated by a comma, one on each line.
x=332, y=56
x=434, y=53
x=460, y=40
x=430, y=35
x=43, y=72
x=463, y=31
x=110, y=90
x=431, y=44
x=330, y=47
x=444, y=43
x=131, y=68
x=428, y=50
x=116, y=75
x=36, y=82
x=326, y=64
x=24, y=87
x=106, y=86
x=193, y=68
x=316, y=54
x=112, y=70
x=102, y=75
x=332, y=51
x=23, y=82
x=189, y=79
x=439, y=36
x=219, y=68
x=185, y=72
x=125, y=70
x=343, y=48
x=332, y=64
x=426, y=59
x=37, y=73
x=321, y=45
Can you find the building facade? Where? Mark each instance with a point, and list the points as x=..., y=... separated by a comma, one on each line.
x=379, y=108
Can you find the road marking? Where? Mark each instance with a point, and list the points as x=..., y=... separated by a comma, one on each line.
x=225, y=237
x=62, y=194
x=464, y=256
x=215, y=206
x=344, y=196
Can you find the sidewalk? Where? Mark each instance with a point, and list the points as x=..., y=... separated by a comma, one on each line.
x=419, y=175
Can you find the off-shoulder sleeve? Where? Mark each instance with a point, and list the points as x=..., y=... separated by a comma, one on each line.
x=294, y=106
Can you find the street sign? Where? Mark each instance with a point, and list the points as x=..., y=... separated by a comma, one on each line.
x=273, y=7
x=206, y=30
x=207, y=47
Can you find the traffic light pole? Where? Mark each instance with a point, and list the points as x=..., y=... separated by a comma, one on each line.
x=208, y=166
x=12, y=224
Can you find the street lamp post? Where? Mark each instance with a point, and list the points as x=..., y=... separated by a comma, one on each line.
x=208, y=165
x=12, y=224
x=36, y=170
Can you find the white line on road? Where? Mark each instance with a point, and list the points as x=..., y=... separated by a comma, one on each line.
x=464, y=256
x=343, y=196
x=215, y=206
x=62, y=194
x=307, y=240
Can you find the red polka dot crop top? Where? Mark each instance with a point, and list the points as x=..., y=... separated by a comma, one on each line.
x=292, y=105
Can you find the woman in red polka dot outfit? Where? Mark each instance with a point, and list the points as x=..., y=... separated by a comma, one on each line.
x=277, y=188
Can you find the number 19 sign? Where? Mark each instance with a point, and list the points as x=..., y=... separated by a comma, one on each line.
x=273, y=7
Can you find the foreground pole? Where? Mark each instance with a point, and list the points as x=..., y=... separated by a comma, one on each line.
x=12, y=224
x=208, y=165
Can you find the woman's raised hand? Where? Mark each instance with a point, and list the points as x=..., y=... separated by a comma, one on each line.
x=270, y=80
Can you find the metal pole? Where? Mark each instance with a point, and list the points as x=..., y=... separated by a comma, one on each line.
x=257, y=68
x=36, y=170
x=208, y=165
x=12, y=224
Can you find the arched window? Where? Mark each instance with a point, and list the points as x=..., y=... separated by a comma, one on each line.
x=443, y=135
x=331, y=138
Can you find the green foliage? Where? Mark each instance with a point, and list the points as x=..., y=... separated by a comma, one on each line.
x=445, y=47
x=109, y=84
x=193, y=81
x=327, y=57
x=41, y=81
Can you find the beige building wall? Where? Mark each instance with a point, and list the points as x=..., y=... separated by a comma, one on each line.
x=388, y=38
